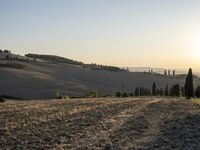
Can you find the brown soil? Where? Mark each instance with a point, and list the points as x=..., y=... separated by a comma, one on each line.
x=145, y=123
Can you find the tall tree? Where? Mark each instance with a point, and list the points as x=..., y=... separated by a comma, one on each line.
x=166, y=92
x=154, y=89
x=174, y=73
x=169, y=73
x=189, y=91
x=137, y=92
x=165, y=72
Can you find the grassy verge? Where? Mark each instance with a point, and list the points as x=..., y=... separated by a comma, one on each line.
x=196, y=100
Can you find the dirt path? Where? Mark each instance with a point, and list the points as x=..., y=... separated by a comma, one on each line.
x=101, y=124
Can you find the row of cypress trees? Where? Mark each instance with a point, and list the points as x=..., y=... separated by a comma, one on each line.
x=175, y=90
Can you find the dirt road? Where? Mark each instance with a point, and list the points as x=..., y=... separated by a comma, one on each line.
x=145, y=123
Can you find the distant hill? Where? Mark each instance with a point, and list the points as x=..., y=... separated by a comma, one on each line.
x=41, y=80
x=58, y=59
x=161, y=70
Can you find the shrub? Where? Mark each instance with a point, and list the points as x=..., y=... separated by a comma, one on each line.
x=124, y=94
x=118, y=94
x=1, y=100
x=197, y=92
x=131, y=94
x=94, y=94
x=59, y=95
x=175, y=90
x=160, y=92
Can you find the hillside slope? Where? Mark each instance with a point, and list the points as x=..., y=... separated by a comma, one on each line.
x=41, y=80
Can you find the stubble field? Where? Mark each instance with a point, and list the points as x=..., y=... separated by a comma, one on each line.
x=132, y=123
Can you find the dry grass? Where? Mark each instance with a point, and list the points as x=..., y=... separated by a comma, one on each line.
x=100, y=124
x=196, y=100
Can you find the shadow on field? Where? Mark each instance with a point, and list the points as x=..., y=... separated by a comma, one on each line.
x=177, y=133
x=129, y=132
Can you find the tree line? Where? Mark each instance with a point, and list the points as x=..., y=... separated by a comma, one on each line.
x=176, y=90
x=58, y=59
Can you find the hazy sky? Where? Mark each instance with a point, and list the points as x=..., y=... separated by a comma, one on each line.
x=157, y=33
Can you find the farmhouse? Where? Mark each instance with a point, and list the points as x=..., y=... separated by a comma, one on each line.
x=6, y=54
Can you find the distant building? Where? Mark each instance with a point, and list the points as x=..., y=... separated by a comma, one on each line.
x=6, y=54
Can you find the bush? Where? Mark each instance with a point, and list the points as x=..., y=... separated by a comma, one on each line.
x=61, y=96
x=118, y=94
x=131, y=94
x=175, y=90
x=124, y=94
x=1, y=100
x=197, y=92
x=94, y=94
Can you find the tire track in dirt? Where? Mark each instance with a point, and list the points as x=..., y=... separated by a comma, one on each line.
x=95, y=121
x=138, y=129
x=69, y=126
x=113, y=124
x=101, y=138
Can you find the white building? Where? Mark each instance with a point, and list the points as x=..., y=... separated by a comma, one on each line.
x=6, y=54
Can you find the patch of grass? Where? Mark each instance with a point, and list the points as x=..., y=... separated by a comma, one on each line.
x=196, y=100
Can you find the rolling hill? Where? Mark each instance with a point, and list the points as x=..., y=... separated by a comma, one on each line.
x=41, y=80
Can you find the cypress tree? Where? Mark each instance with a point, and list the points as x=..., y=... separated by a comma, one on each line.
x=154, y=89
x=166, y=92
x=161, y=92
x=189, y=85
x=137, y=92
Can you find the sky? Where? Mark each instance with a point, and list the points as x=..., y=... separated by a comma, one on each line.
x=135, y=33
